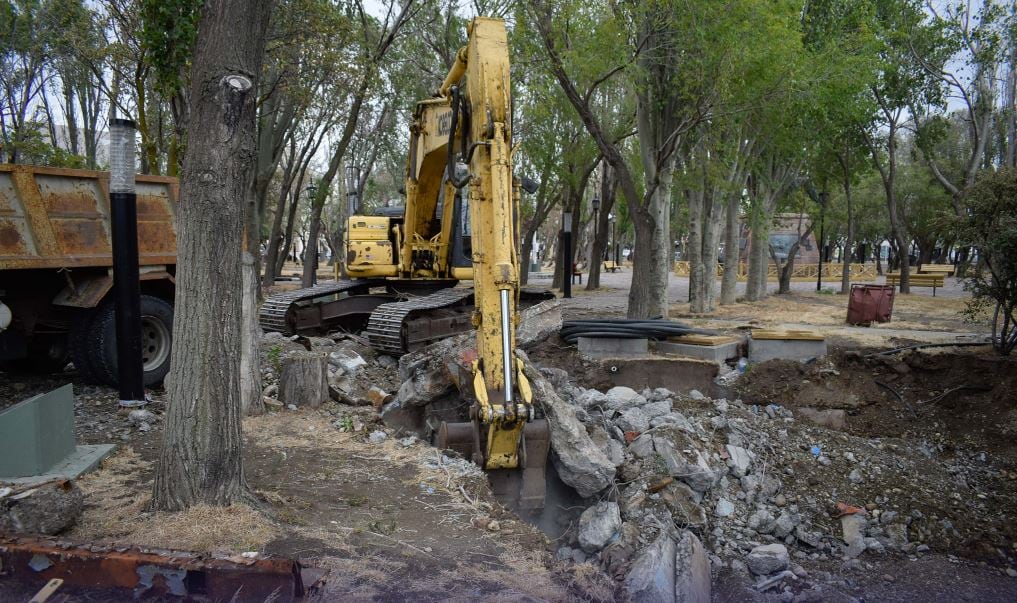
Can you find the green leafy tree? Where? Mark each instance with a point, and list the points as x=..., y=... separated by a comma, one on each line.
x=991, y=227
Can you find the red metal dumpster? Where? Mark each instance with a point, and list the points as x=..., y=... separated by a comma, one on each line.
x=870, y=303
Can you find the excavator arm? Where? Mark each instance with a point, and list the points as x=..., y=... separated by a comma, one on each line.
x=478, y=91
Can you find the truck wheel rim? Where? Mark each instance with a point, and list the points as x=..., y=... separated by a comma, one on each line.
x=155, y=342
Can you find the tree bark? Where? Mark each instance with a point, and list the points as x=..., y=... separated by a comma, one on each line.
x=201, y=459
x=250, y=355
x=608, y=188
x=732, y=253
x=303, y=380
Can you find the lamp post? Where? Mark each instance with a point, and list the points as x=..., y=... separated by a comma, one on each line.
x=352, y=190
x=614, y=235
x=123, y=203
x=595, y=204
x=311, y=190
x=566, y=253
x=823, y=196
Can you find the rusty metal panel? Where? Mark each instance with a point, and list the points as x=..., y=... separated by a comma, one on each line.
x=149, y=572
x=55, y=218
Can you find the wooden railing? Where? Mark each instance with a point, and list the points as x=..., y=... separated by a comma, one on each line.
x=802, y=272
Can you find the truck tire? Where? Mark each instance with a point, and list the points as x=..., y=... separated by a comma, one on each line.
x=156, y=340
x=78, y=342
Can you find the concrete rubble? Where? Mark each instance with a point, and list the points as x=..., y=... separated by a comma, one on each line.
x=678, y=468
x=48, y=508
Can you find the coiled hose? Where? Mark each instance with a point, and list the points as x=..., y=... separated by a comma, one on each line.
x=626, y=328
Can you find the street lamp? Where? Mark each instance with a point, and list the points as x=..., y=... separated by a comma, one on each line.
x=823, y=196
x=566, y=253
x=311, y=190
x=595, y=204
x=352, y=189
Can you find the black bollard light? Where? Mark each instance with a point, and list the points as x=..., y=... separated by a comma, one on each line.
x=123, y=203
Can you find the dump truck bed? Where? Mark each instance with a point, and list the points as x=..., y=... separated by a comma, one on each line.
x=59, y=218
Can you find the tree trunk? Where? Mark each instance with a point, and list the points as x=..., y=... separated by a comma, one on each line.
x=695, y=250
x=201, y=459
x=303, y=380
x=648, y=293
x=608, y=187
x=250, y=337
x=732, y=253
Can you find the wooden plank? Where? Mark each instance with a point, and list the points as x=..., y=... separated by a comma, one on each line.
x=47, y=591
x=707, y=340
x=788, y=334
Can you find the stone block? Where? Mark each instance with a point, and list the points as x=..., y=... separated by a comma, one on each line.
x=680, y=375
x=761, y=350
x=714, y=351
x=611, y=347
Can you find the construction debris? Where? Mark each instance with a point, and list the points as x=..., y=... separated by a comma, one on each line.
x=48, y=508
x=149, y=573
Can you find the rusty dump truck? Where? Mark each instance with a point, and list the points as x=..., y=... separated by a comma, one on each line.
x=56, y=275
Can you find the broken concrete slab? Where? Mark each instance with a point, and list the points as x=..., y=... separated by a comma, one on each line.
x=692, y=580
x=436, y=370
x=768, y=559
x=612, y=347
x=579, y=461
x=652, y=577
x=598, y=525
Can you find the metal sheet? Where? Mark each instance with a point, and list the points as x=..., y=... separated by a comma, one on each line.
x=151, y=572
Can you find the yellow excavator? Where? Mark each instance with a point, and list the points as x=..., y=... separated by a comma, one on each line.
x=459, y=223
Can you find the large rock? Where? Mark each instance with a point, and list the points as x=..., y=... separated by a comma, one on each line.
x=692, y=468
x=580, y=463
x=48, y=509
x=652, y=577
x=623, y=397
x=611, y=447
x=598, y=525
x=691, y=571
x=434, y=371
x=768, y=559
x=853, y=529
x=633, y=419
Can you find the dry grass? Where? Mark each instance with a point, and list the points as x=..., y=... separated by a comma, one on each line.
x=236, y=528
x=116, y=502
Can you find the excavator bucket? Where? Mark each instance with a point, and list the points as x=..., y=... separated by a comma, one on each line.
x=522, y=488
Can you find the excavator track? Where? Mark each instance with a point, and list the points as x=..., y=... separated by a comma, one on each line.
x=278, y=312
x=389, y=330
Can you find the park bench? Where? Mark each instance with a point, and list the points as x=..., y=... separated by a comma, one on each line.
x=944, y=269
x=917, y=280
x=611, y=266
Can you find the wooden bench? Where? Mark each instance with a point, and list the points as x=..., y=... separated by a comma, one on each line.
x=944, y=269
x=611, y=266
x=917, y=280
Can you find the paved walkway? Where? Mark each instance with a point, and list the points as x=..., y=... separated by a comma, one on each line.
x=615, y=287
